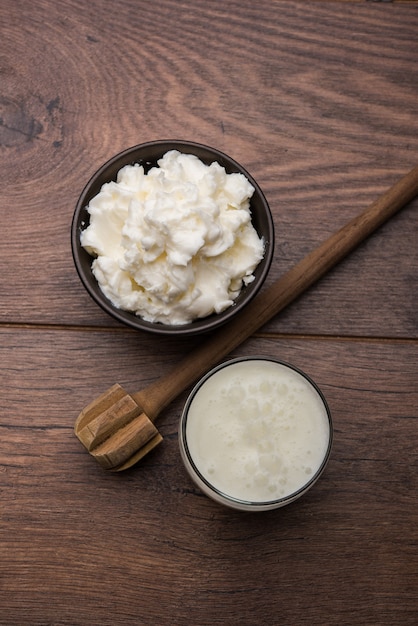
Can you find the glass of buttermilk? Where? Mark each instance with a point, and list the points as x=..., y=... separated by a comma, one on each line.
x=255, y=433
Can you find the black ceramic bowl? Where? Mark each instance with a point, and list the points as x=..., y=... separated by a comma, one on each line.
x=148, y=154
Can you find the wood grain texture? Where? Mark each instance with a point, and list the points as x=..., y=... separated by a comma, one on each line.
x=146, y=547
x=318, y=100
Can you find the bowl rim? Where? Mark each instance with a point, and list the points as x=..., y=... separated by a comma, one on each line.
x=80, y=221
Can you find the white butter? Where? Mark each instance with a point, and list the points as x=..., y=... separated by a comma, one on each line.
x=174, y=244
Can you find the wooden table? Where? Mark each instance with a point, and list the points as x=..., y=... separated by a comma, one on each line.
x=319, y=101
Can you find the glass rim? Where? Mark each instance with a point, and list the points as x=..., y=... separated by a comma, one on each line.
x=221, y=495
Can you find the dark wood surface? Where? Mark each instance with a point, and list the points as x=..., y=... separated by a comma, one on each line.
x=319, y=101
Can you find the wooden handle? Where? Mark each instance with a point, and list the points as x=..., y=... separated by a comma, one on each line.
x=270, y=302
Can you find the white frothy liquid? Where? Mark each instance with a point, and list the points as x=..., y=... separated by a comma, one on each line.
x=257, y=430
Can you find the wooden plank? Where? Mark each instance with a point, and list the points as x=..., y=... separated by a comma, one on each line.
x=318, y=101
x=79, y=545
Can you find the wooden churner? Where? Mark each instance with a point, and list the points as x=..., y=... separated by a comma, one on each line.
x=118, y=428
